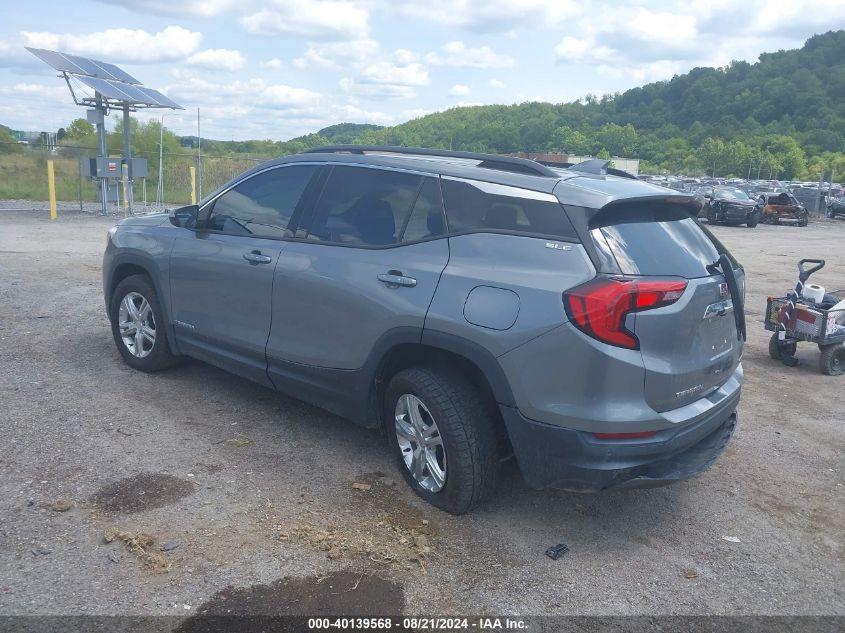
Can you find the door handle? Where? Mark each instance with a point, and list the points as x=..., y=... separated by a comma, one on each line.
x=395, y=278
x=255, y=257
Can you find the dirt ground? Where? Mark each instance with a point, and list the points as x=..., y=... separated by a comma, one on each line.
x=190, y=490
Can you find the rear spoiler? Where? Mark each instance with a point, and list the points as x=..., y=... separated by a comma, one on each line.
x=596, y=166
x=693, y=203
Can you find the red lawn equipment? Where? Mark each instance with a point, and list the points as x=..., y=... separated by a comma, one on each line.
x=808, y=313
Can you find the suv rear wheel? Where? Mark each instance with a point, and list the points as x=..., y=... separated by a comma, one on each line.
x=441, y=429
x=137, y=325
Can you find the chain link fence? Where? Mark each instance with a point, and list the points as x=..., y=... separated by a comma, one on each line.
x=23, y=176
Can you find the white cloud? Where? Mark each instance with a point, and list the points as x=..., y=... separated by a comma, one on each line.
x=652, y=41
x=395, y=74
x=281, y=96
x=183, y=8
x=460, y=55
x=218, y=59
x=489, y=15
x=192, y=88
x=404, y=56
x=272, y=64
x=386, y=80
x=122, y=45
x=376, y=91
x=498, y=84
x=459, y=90
x=314, y=19
x=54, y=93
x=354, y=53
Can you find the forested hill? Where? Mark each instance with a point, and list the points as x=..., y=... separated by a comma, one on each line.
x=786, y=112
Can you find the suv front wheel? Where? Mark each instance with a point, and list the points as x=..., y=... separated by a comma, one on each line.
x=441, y=428
x=137, y=325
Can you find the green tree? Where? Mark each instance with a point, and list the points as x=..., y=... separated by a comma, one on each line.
x=572, y=141
x=8, y=143
x=713, y=153
x=80, y=130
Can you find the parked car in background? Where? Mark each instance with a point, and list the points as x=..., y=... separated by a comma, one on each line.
x=836, y=207
x=473, y=307
x=728, y=205
x=782, y=208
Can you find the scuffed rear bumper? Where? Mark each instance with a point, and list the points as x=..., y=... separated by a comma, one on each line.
x=554, y=457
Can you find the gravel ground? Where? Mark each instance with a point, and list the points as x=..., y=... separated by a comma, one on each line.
x=122, y=492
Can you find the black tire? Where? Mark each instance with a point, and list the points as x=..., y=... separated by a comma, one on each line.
x=465, y=420
x=832, y=359
x=776, y=350
x=159, y=355
x=752, y=221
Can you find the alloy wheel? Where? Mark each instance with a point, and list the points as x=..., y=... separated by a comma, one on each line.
x=420, y=443
x=137, y=325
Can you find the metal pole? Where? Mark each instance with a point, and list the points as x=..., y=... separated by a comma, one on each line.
x=199, y=155
x=79, y=173
x=127, y=157
x=101, y=136
x=160, y=184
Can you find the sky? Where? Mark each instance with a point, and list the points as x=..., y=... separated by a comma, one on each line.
x=280, y=68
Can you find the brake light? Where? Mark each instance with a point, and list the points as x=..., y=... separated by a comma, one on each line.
x=599, y=307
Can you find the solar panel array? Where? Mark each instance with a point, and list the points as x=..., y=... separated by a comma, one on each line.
x=130, y=93
x=107, y=79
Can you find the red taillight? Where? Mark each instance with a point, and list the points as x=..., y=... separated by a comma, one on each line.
x=624, y=436
x=599, y=307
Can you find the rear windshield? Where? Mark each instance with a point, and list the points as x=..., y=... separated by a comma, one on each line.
x=655, y=239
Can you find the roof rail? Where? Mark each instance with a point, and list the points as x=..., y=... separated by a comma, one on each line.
x=601, y=167
x=488, y=161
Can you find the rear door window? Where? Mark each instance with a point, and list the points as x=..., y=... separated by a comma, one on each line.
x=475, y=206
x=655, y=239
x=363, y=206
x=426, y=219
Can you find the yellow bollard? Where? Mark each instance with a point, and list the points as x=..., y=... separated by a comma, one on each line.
x=193, y=184
x=51, y=185
x=124, y=173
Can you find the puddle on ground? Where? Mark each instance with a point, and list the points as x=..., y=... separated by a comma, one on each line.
x=143, y=491
x=344, y=592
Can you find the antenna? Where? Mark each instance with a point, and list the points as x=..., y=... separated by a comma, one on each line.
x=113, y=89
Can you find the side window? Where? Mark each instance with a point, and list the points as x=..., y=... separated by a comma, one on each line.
x=427, y=216
x=482, y=206
x=364, y=206
x=261, y=206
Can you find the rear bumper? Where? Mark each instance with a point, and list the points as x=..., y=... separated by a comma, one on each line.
x=555, y=457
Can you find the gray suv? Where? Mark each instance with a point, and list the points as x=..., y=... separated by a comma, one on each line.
x=475, y=307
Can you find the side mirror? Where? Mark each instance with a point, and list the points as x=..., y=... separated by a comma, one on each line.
x=709, y=196
x=185, y=217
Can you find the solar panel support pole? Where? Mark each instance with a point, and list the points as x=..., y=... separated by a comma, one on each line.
x=127, y=156
x=101, y=137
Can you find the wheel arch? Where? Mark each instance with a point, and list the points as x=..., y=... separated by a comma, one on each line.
x=125, y=265
x=402, y=350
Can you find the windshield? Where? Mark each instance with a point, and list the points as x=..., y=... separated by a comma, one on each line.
x=731, y=194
